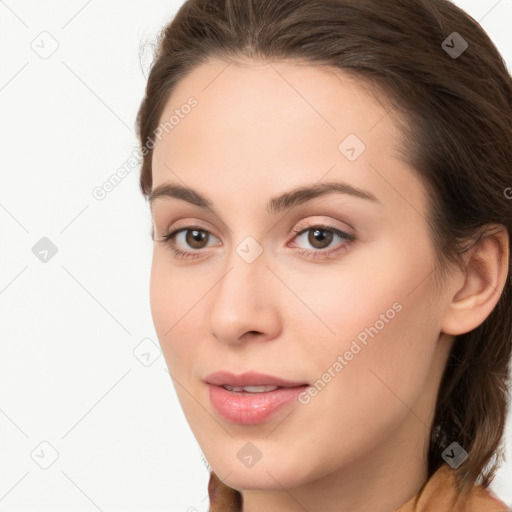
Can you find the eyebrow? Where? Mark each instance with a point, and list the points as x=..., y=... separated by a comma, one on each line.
x=276, y=204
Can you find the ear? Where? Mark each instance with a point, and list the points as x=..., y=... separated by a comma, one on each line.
x=485, y=276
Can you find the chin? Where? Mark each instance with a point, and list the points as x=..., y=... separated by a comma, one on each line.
x=252, y=479
x=269, y=472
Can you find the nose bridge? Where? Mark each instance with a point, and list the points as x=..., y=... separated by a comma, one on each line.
x=241, y=301
x=239, y=286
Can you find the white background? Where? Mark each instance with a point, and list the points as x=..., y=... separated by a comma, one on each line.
x=69, y=377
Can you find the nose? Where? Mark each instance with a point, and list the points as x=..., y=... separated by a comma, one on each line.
x=245, y=303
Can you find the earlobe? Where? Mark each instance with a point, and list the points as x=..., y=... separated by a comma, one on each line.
x=486, y=271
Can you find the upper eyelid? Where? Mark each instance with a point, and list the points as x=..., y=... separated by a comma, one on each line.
x=298, y=231
x=302, y=226
x=191, y=224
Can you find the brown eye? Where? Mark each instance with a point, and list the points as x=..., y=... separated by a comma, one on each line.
x=188, y=242
x=194, y=238
x=320, y=238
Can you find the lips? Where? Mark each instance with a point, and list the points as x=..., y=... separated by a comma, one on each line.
x=224, y=378
x=251, y=398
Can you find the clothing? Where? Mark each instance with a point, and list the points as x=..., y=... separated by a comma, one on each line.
x=440, y=493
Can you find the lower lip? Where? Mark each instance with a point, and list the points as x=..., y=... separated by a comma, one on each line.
x=251, y=408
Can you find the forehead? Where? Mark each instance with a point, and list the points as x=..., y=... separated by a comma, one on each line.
x=264, y=97
x=257, y=120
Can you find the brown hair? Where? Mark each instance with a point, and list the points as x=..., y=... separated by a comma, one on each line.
x=458, y=138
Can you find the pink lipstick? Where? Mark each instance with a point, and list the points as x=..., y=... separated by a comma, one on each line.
x=251, y=398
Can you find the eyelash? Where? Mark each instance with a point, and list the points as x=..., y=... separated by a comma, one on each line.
x=346, y=237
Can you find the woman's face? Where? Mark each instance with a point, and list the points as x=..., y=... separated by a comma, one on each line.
x=332, y=289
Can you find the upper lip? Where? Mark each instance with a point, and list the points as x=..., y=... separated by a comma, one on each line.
x=225, y=378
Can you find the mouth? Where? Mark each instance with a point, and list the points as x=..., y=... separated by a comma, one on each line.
x=251, y=398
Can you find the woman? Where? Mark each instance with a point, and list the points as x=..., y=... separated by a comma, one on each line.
x=330, y=281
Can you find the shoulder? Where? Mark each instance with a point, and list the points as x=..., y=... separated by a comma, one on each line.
x=440, y=493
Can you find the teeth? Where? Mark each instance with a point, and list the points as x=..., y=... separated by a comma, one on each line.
x=251, y=389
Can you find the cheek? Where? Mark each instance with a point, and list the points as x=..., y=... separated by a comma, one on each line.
x=179, y=301
x=170, y=299
x=162, y=299
x=375, y=326
x=381, y=292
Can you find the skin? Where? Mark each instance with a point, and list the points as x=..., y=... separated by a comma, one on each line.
x=261, y=129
